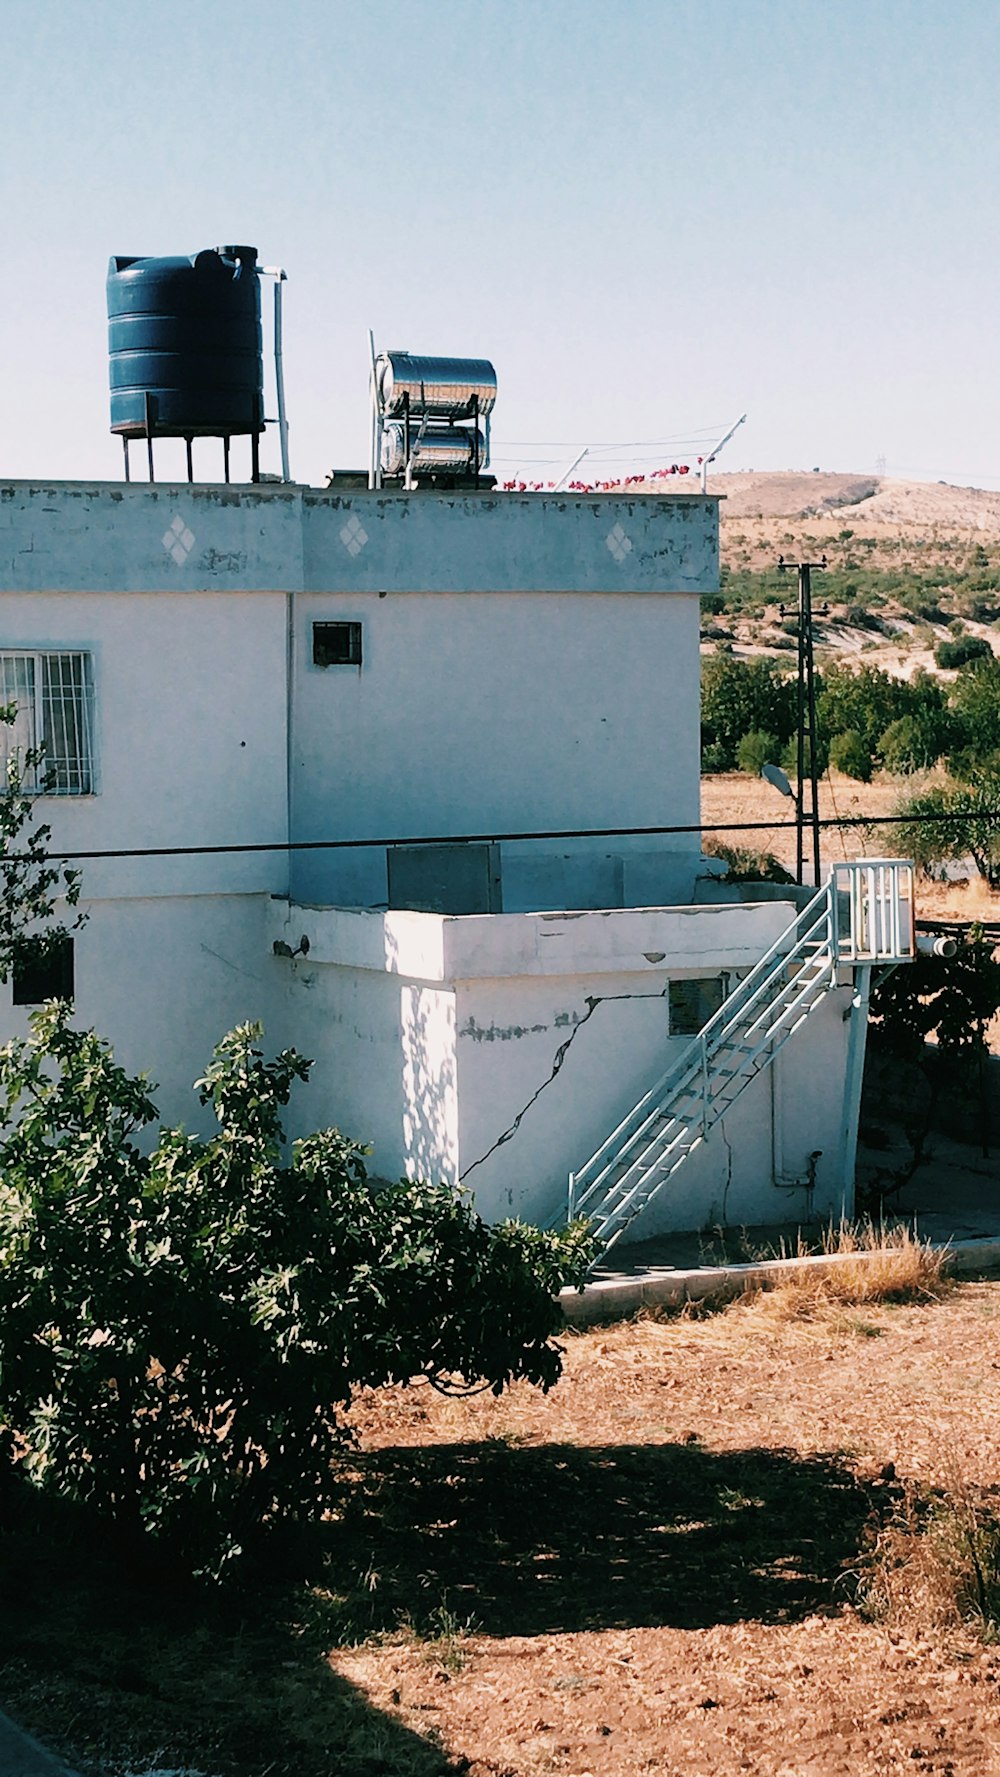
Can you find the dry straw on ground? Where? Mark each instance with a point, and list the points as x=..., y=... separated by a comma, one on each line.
x=868, y=1264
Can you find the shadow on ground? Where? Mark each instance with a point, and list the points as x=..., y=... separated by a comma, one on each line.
x=119, y=1669
x=124, y=1669
x=557, y=1538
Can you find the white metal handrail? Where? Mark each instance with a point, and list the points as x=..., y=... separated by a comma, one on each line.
x=863, y=914
x=881, y=915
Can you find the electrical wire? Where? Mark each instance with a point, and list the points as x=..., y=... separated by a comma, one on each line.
x=308, y=845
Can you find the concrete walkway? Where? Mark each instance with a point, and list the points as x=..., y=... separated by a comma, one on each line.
x=22, y=1756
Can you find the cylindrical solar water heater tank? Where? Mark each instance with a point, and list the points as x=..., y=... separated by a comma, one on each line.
x=446, y=387
x=442, y=449
x=184, y=340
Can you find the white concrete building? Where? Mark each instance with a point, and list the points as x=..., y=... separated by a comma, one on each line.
x=262, y=705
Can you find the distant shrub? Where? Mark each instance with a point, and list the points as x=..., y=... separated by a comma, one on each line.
x=862, y=618
x=715, y=757
x=849, y=754
x=919, y=604
x=961, y=651
x=909, y=744
x=789, y=758
x=755, y=749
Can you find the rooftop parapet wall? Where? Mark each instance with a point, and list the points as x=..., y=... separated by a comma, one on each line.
x=453, y=542
x=79, y=537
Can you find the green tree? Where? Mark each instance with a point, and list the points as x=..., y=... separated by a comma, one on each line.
x=30, y=883
x=740, y=696
x=911, y=744
x=182, y=1326
x=850, y=754
x=975, y=703
x=952, y=1000
x=755, y=749
x=955, y=821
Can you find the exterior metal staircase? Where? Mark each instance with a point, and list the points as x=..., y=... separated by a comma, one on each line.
x=862, y=915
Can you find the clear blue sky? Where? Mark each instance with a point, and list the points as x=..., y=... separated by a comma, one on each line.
x=652, y=217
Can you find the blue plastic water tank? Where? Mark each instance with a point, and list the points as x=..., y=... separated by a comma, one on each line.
x=186, y=332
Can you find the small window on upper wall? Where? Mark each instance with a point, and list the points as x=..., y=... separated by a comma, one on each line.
x=336, y=644
x=45, y=976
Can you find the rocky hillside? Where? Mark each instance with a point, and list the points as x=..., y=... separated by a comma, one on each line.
x=910, y=564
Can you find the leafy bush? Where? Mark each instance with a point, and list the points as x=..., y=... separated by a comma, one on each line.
x=180, y=1329
x=961, y=651
x=754, y=749
x=955, y=821
x=715, y=758
x=861, y=617
x=790, y=757
x=746, y=864
x=849, y=754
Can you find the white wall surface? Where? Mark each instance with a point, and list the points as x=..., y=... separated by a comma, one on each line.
x=384, y=1064
x=505, y=713
x=189, y=707
x=570, y=1058
x=163, y=978
x=530, y=664
x=425, y=1047
x=500, y=1051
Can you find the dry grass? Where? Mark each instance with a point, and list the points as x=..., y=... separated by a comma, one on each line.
x=868, y=1264
x=733, y=796
x=935, y=1566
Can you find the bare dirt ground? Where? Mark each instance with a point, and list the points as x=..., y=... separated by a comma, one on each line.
x=732, y=797
x=653, y=1569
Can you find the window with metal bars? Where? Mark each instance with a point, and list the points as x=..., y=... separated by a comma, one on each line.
x=336, y=644
x=52, y=696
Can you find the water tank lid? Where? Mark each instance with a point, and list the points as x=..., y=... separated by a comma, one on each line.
x=241, y=253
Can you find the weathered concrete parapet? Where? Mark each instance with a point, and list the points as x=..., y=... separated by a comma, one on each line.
x=165, y=537
x=436, y=947
x=477, y=542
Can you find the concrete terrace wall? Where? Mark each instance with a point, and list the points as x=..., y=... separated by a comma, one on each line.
x=500, y=1051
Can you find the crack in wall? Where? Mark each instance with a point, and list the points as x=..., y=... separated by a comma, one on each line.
x=592, y=1002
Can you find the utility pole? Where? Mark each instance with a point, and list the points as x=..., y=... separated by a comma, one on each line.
x=806, y=722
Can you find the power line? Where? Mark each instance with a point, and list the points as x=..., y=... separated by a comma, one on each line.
x=496, y=837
